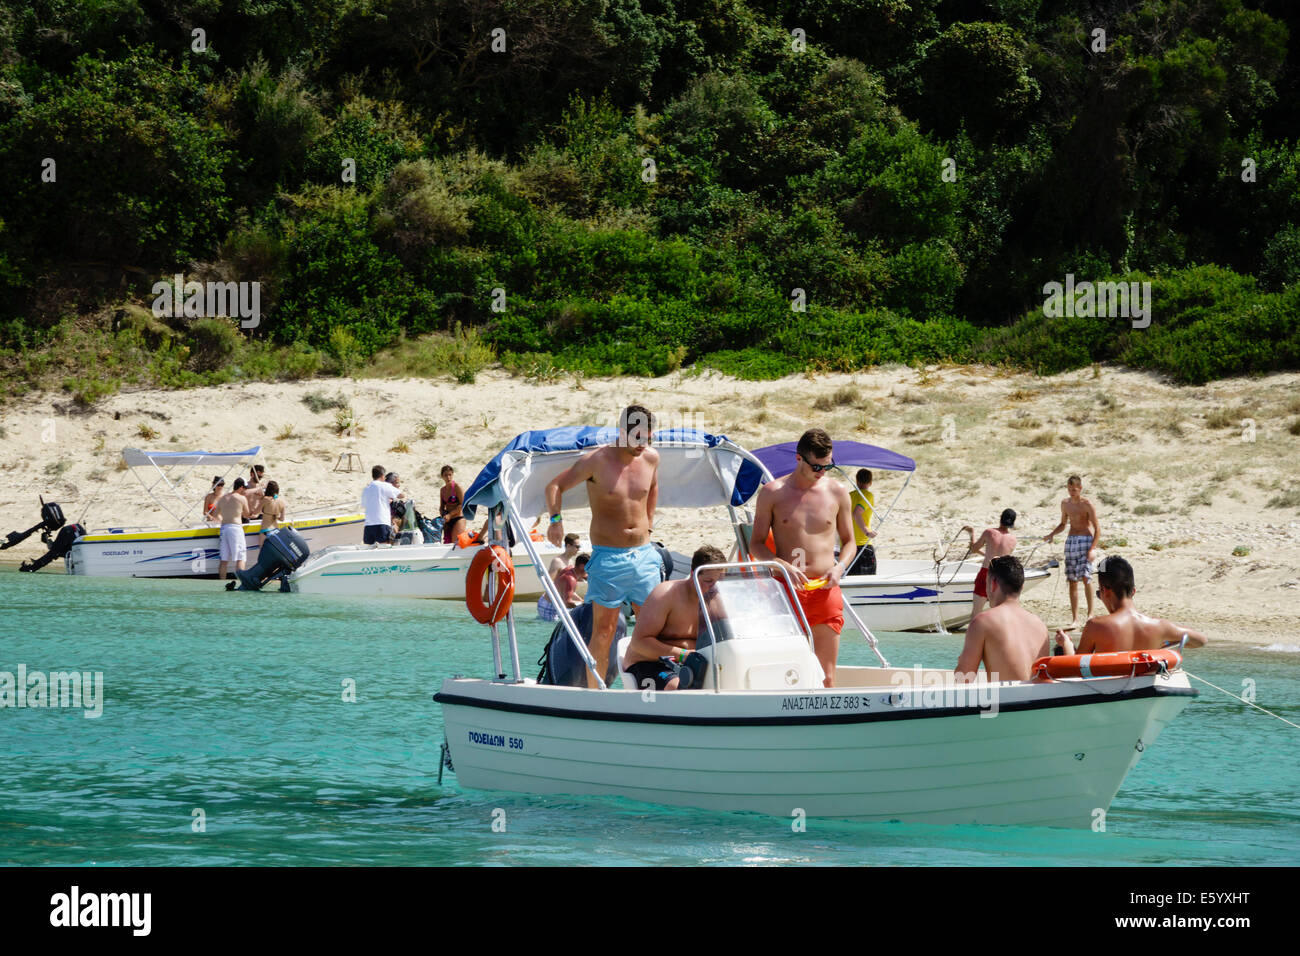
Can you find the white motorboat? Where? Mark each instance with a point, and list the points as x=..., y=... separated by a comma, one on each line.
x=921, y=595
x=903, y=595
x=411, y=571
x=761, y=734
x=191, y=549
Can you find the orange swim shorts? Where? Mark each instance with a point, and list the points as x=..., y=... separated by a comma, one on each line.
x=823, y=605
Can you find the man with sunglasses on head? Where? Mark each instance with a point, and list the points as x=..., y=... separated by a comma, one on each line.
x=807, y=513
x=1125, y=628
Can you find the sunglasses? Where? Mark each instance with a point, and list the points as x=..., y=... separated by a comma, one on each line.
x=818, y=469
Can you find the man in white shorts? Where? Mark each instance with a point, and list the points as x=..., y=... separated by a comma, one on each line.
x=232, y=511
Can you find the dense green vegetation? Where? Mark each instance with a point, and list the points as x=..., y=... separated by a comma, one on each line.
x=638, y=185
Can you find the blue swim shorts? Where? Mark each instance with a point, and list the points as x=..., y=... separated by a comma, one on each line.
x=615, y=575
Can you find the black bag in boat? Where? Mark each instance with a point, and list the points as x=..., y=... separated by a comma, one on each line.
x=560, y=662
x=283, y=551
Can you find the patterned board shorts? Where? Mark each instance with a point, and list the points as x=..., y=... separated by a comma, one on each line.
x=1077, y=567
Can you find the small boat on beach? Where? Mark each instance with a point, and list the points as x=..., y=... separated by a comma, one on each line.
x=907, y=594
x=761, y=733
x=191, y=549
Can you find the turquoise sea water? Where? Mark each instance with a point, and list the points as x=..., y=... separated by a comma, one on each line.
x=233, y=704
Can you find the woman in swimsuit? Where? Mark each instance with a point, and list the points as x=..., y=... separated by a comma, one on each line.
x=451, y=506
x=210, y=501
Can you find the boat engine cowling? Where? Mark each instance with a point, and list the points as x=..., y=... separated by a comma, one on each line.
x=283, y=551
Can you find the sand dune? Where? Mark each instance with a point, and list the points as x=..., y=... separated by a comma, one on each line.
x=1180, y=476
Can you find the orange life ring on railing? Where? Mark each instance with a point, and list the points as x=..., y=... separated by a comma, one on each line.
x=1112, y=664
x=498, y=558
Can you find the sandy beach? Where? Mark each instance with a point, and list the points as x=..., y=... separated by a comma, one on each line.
x=1195, y=486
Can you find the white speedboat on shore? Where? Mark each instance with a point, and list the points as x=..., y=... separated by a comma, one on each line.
x=903, y=595
x=190, y=549
x=412, y=571
x=760, y=733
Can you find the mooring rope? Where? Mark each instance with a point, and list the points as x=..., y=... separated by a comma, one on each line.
x=1242, y=699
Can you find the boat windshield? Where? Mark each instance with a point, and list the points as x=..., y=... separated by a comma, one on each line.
x=745, y=603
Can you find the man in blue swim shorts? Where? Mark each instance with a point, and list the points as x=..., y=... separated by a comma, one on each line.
x=622, y=488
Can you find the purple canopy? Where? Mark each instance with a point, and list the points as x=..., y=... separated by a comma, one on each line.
x=780, y=460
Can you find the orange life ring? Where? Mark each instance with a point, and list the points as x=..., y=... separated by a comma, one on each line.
x=490, y=557
x=1113, y=664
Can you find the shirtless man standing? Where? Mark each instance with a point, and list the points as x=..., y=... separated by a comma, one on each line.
x=253, y=489
x=993, y=543
x=232, y=511
x=1006, y=638
x=622, y=482
x=805, y=515
x=669, y=624
x=1080, y=545
x=1125, y=628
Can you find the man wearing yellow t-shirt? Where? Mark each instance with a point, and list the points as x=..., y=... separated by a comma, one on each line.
x=864, y=509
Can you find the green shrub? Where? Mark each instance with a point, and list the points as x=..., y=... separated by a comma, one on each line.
x=213, y=344
x=461, y=354
x=320, y=402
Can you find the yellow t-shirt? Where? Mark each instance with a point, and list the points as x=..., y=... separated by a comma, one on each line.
x=868, y=501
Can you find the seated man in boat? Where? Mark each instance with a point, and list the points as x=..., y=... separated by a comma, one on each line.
x=669, y=623
x=806, y=515
x=545, y=610
x=622, y=482
x=1006, y=638
x=1125, y=628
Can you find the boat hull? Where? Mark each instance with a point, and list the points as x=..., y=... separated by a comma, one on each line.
x=190, y=552
x=1053, y=754
x=434, y=571
x=909, y=596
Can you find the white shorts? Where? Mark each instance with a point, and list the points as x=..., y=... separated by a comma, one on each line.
x=233, y=547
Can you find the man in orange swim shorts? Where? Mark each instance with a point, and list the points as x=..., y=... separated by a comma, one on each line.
x=806, y=514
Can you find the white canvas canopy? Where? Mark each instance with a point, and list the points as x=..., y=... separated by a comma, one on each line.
x=169, y=464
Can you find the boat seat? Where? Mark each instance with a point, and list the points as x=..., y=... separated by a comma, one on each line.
x=629, y=682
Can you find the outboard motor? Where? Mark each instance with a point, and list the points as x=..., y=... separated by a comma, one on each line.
x=52, y=520
x=283, y=551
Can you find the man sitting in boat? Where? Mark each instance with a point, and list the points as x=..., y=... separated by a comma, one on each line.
x=1006, y=638
x=669, y=623
x=806, y=515
x=1125, y=628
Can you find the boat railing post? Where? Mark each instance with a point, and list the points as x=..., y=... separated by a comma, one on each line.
x=510, y=618
x=492, y=596
x=553, y=592
x=866, y=632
